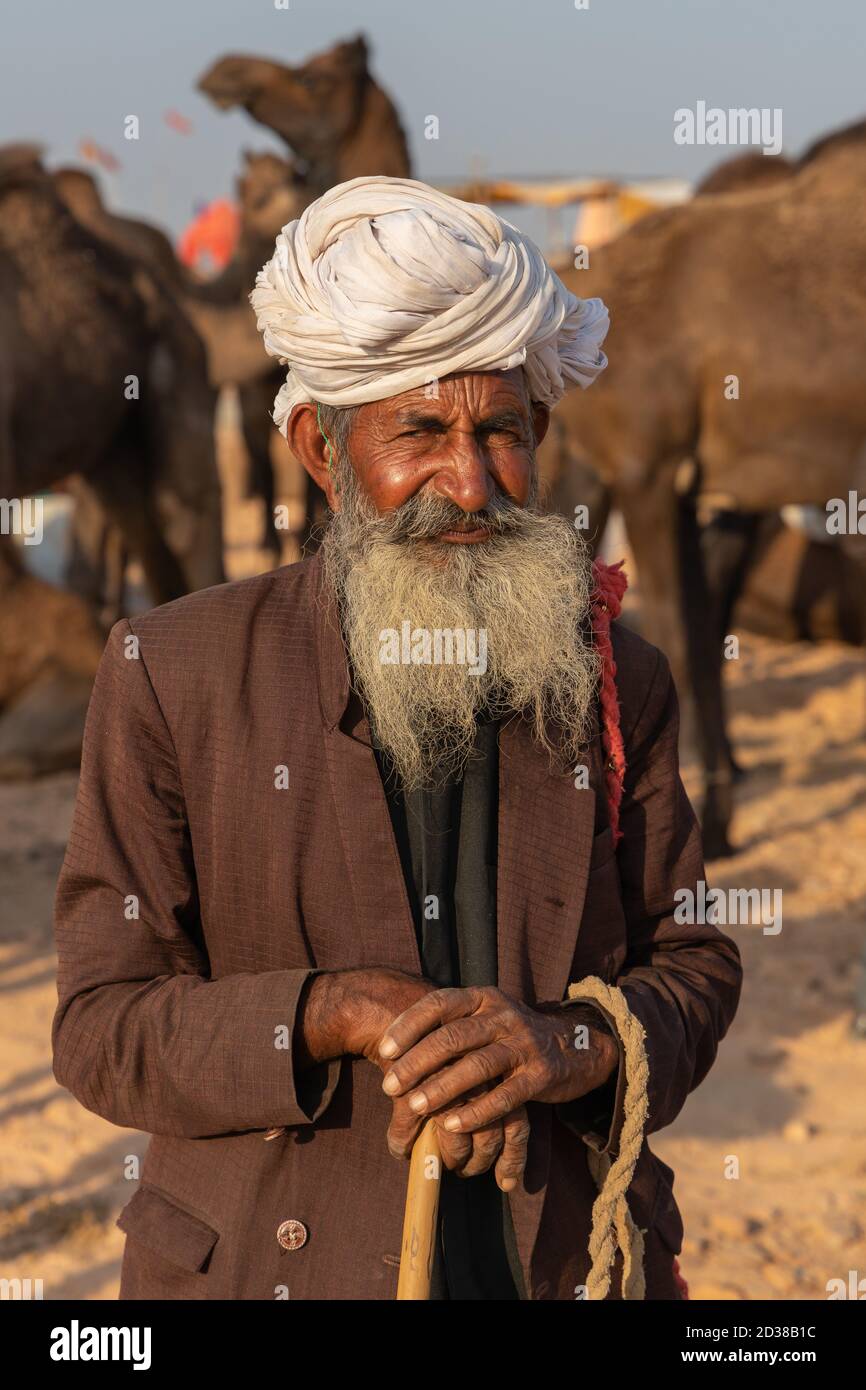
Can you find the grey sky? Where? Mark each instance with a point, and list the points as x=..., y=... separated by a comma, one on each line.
x=521, y=87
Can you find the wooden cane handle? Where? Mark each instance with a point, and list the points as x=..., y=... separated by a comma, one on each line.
x=420, y=1220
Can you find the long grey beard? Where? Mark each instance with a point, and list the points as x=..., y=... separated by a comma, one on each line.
x=527, y=587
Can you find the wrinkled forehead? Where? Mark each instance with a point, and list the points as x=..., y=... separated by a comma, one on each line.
x=477, y=393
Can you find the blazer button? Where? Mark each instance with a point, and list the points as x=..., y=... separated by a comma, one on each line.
x=292, y=1234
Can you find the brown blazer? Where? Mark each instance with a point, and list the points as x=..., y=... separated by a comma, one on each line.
x=198, y=894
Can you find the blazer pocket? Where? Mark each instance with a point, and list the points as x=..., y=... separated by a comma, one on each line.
x=168, y=1230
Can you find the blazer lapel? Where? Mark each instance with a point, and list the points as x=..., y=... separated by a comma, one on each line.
x=382, y=931
x=546, y=828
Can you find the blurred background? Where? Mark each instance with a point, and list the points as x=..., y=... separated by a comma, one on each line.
x=148, y=158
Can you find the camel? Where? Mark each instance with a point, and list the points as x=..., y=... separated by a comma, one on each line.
x=50, y=645
x=754, y=292
x=140, y=240
x=98, y=557
x=271, y=192
x=330, y=111
x=102, y=376
x=216, y=309
x=731, y=541
x=816, y=578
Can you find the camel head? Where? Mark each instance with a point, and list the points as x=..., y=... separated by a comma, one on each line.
x=271, y=192
x=313, y=107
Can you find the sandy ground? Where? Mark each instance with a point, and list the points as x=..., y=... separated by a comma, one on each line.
x=783, y=1106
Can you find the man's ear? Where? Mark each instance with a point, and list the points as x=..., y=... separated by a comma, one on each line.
x=309, y=447
x=540, y=420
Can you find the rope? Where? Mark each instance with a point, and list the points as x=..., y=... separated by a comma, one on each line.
x=605, y=604
x=613, y=1226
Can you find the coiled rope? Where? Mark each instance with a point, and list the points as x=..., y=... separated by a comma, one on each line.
x=613, y=1226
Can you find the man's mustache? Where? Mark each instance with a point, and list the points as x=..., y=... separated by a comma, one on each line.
x=425, y=516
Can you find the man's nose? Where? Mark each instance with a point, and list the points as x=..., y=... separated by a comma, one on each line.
x=465, y=479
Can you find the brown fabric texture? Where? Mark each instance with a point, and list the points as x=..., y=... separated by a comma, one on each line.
x=198, y=894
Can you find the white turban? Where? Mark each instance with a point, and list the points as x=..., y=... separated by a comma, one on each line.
x=385, y=284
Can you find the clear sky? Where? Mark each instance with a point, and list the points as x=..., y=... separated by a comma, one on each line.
x=520, y=87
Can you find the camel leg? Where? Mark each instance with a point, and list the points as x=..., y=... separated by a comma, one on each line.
x=728, y=546
x=89, y=530
x=256, y=400
x=96, y=568
x=120, y=487
x=664, y=535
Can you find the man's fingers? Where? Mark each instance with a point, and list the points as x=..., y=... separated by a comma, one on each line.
x=512, y=1160
x=434, y=1009
x=406, y=1125
x=403, y=1130
x=495, y=1105
x=455, y=1150
x=453, y=1082
x=435, y=1050
x=487, y=1145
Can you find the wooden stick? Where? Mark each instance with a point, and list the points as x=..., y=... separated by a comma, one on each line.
x=420, y=1221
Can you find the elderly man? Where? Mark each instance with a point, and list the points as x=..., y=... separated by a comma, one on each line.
x=350, y=834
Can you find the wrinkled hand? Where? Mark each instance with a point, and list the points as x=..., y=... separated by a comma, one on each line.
x=368, y=1003
x=501, y=1145
x=454, y=1041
